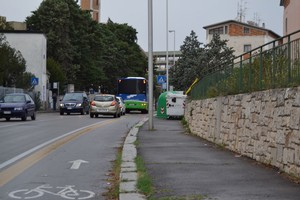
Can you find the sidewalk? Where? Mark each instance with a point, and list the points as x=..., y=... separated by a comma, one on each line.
x=186, y=166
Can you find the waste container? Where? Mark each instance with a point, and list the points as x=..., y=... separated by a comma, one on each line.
x=171, y=105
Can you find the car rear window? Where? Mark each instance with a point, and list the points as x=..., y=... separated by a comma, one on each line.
x=72, y=97
x=104, y=98
x=14, y=99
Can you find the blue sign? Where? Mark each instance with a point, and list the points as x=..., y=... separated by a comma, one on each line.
x=34, y=81
x=161, y=79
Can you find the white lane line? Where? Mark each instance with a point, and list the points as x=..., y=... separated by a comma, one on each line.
x=26, y=153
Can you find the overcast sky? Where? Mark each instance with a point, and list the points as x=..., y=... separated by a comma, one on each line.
x=184, y=16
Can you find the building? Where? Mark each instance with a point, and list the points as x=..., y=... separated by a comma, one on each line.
x=291, y=16
x=33, y=47
x=18, y=26
x=242, y=37
x=93, y=6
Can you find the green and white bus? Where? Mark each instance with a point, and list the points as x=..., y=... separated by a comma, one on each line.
x=134, y=91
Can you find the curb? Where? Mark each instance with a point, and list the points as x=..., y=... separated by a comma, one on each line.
x=128, y=175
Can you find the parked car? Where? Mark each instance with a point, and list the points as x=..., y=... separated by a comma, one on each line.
x=122, y=105
x=105, y=104
x=74, y=102
x=17, y=105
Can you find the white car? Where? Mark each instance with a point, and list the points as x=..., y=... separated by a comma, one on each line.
x=122, y=105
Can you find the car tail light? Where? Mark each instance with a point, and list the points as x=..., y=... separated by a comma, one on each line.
x=113, y=103
x=93, y=103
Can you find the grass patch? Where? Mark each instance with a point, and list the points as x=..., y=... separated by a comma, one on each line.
x=114, y=178
x=144, y=182
x=190, y=197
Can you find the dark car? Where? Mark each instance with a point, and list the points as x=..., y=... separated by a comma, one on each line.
x=74, y=102
x=17, y=105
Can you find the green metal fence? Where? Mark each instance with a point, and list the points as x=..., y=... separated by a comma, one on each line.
x=273, y=65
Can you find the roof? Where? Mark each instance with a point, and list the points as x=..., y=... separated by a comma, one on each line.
x=241, y=23
x=21, y=31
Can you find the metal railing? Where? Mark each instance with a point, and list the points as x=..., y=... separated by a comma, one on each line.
x=34, y=95
x=8, y=90
x=273, y=65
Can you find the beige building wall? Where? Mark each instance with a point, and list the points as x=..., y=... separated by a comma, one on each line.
x=233, y=31
x=291, y=22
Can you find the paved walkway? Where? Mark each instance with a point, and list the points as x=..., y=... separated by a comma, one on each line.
x=186, y=166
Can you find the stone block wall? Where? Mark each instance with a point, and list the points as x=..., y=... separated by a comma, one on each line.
x=264, y=126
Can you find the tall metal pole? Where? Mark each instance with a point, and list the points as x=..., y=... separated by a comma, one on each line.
x=150, y=62
x=173, y=31
x=167, y=45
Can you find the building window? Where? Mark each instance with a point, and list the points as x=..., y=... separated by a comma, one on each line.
x=226, y=29
x=246, y=30
x=219, y=30
x=97, y=2
x=247, y=48
x=286, y=26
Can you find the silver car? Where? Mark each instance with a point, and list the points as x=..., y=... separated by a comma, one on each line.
x=122, y=105
x=105, y=104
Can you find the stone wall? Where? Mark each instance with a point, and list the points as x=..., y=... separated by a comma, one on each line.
x=264, y=125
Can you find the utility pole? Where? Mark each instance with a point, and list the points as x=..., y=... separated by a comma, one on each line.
x=150, y=62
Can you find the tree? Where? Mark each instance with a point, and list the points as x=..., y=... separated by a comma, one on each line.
x=196, y=61
x=56, y=73
x=56, y=18
x=4, y=25
x=185, y=71
x=12, y=67
x=123, y=55
x=87, y=52
x=219, y=54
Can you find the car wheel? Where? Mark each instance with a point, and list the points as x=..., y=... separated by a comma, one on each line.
x=92, y=115
x=7, y=118
x=61, y=113
x=96, y=115
x=33, y=117
x=68, y=113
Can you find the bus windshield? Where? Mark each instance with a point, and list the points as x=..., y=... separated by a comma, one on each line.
x=132, y=86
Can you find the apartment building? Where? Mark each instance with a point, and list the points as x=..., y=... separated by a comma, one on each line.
x=93, y=6
x=291, y=16
x=243, y=37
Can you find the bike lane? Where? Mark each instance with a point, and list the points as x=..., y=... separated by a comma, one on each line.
x=77, y=169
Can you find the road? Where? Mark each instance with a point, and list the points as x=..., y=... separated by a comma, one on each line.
x=55, y=157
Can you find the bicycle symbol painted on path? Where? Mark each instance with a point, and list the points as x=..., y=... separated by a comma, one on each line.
x=67, y=192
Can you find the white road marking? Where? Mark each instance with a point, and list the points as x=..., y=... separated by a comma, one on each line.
x=26, y=153
x=76, y=163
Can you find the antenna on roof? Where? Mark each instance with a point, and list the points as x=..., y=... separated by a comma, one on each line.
x=256, y=19
x=241, y=11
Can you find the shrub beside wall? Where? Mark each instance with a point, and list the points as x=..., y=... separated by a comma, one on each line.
x=263, y=125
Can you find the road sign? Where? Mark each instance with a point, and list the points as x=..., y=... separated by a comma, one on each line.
x=34, y=81
x=161, y=79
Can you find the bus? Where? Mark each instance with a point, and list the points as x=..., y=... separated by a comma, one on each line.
x=134, y=91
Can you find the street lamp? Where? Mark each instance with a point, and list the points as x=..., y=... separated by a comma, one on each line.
x=150, y=62
x=167, y=44
x=173, y=31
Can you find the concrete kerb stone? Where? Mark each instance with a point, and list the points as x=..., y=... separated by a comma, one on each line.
x=128, y=175
x=131, y=196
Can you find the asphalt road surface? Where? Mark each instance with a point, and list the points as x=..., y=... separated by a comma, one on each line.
x=59, y=157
